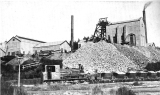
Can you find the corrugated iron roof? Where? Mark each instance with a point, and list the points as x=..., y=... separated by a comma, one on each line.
x=50, y=44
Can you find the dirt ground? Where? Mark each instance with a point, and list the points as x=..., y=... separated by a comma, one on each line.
x=146, y=88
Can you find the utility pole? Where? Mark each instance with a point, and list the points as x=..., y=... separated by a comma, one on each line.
x=19, y=72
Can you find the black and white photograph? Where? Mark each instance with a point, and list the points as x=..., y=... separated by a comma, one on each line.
x=79, y=47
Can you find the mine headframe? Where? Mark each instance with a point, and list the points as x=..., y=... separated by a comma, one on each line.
x=100, y=31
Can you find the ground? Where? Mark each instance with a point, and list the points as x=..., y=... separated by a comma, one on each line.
x=146, y=87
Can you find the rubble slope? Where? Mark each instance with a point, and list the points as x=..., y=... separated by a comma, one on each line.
x=100, y=56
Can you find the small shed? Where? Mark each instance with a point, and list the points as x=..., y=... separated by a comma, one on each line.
x=51, y=69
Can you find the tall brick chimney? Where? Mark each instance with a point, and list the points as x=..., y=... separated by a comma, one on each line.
x=145, y=24
x=144, y=18
x=72, y=33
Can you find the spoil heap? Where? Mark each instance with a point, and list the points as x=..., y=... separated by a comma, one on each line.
x=155, y=54
x=137, y=57
x=100, y=56
x=144, y=51
x=151, y=53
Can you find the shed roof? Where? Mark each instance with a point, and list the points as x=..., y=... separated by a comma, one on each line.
x=47, y=61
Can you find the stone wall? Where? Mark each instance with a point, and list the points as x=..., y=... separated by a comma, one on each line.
x=116, y=32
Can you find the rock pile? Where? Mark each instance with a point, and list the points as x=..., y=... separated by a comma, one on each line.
x=155, y=54
x=137, y=57
x=100, y=56
x=151, y=53
x=144, y=51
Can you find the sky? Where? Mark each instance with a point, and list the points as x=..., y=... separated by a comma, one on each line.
x=50, y=20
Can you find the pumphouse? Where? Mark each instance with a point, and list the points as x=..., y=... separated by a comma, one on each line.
x=130, y=32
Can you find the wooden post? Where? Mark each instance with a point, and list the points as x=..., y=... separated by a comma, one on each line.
x=19, y=76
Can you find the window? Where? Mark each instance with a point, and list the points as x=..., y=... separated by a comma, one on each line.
x=13, y=39
x=65, y=51
x=50, y=68
x=13, y=53
x=35, y=52
x=17, y=52
x=61, y=49
x=8, y=53
x=79, y=45
x=132, y=39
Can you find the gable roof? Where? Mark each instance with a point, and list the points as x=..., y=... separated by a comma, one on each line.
x=14, y=38
x=20, y=37
x=50, y=44
x=127, y=21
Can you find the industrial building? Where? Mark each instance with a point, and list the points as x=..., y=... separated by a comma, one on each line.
x=21, y=45
x=60, y=46
x=130, y=32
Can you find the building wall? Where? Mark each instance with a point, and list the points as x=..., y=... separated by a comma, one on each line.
x=2, y=53
x=27, y=46
x=135, y=28
x=13, y=46
x=23, y=46
x=81, y=43
x=62, y=48
x=47, y=48
x=65, y=47
x=143, y=35
x=2, y=49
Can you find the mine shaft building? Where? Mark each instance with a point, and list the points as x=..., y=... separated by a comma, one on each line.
x=130, y=32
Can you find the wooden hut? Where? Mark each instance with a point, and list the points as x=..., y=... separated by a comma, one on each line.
x=51, y=69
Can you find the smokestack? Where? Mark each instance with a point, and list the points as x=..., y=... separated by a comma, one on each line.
x=145, y=25
x=72, y=34
x=144, y=18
